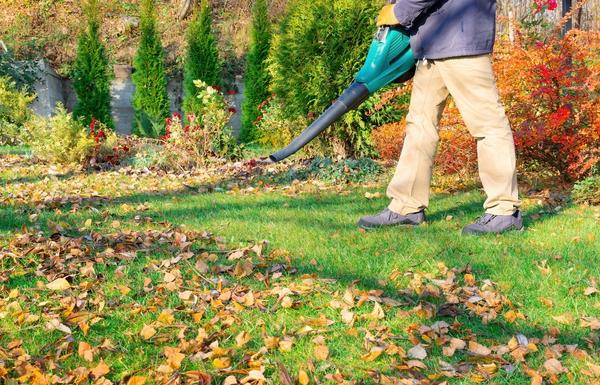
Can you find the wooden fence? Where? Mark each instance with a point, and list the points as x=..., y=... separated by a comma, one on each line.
x=587, y=17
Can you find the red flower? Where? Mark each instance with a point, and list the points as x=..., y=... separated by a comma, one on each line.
x=232, y=110
x=231, y=92
x=93, y=125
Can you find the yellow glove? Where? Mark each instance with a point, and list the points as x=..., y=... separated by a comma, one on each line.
x=387, y=16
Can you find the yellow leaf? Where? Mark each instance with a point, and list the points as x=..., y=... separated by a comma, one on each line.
x=136, y=380
x=321, y=352
x=303, y=377
x=242, y=339
x=166, y=317
x=147, y=332
x=59, y=284
x=565, y=319
x=222, y=362
x=373, y=354
x=85, y=351
x=174, y=357
x=100, y=370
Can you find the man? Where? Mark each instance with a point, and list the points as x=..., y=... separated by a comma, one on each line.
x=452, y=41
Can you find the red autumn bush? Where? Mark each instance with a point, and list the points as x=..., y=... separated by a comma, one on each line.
x=388, y=139
x=457, y=151
x=551, y=94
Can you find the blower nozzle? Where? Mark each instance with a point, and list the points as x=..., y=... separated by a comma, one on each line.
x=353, y=97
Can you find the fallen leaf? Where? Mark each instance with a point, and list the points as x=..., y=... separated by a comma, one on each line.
x=136, y=380
x=284, y=375
x=100, y=370
x=554, y=366
x=321, y=352
x=222, y=362
x=147, y=332
x=303, y=377
x=479, y=349
x=59, y=284
x=242, y=339
x=417, y=352
x=85, y=351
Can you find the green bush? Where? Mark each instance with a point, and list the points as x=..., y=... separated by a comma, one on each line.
x=92, y=72
x=202, y=61
x=60, y=139
x=150, y=101
x=587, y=191
x=258, y=78
x=23, y=73
x=14, y=112
x=320, y=46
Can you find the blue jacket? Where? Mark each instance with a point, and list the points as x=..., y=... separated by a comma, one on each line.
x=442, y=29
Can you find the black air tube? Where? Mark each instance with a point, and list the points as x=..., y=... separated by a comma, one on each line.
x=349, y=100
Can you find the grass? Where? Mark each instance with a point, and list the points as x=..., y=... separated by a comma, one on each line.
x=555, y=260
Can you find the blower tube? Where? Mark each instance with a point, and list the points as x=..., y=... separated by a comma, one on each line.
x=353, y=97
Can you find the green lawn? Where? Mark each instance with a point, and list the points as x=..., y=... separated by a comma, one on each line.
x=543, y=272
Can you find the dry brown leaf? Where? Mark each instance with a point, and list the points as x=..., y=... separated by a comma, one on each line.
x=417, y=352
x=136, y=380
x=373, y=354
x=590, y=291
x=284, y=375
x=59, y=284
x=147, y=332
x=174, y=357
x=242, y=339
x=85, y=351
x=565, y=319
x=554, y=366
x=479, y=349
x=100, y=370
x=321, y=352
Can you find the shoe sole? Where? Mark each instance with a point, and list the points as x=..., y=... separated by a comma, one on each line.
x=366, y=227
x=513, y=228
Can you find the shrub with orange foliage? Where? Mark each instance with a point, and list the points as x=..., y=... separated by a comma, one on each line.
x=551, y=91
x=457, y=151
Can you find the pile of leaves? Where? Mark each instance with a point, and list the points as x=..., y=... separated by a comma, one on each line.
x=168, y=305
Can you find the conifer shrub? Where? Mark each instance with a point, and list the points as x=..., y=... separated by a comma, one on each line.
x=202, y=60
x=92, y=72
x=317, y=51
x=150, y=101
x=257, y=79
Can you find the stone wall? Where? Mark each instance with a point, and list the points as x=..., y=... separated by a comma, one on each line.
x=51, y=89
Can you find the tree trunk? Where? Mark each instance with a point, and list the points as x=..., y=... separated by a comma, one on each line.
x=184, y=8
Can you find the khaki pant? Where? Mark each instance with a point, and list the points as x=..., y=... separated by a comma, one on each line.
x=470, y=81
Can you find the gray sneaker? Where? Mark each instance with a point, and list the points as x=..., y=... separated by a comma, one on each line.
x=495, y=224
x=389, y=218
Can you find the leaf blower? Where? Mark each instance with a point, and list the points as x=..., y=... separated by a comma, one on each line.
x=390, y=60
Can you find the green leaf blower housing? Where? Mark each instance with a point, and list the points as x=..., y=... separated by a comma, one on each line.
x=389, y=60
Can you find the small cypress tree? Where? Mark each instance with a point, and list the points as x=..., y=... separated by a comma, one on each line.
x=202, y=60
x=92, y=72
x=257, y=76
x=151, y=100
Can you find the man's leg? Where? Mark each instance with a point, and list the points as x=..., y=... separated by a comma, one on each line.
x=471, y=83
x=409, y=188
